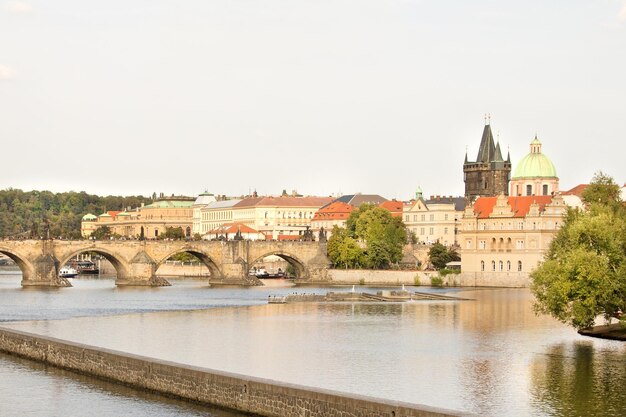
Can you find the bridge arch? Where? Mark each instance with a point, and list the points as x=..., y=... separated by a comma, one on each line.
x=203, y=257
x=298, y=264
x=21, y=261
x=116, y=260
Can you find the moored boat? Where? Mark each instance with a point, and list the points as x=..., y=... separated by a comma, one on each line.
x=85, y=267
x=67, y=272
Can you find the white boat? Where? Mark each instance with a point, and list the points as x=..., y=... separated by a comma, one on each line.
x=67, y=272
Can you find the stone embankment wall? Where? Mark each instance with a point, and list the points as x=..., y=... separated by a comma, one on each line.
x=238, y=392
x=369, y=277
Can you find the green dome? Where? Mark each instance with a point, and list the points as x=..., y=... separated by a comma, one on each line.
x=89, y=216
x=535, y=164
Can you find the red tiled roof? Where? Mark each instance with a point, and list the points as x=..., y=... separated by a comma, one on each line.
x=284, y=201
x=395, y=207
x=113, y=213
x=233, y=228
x=333, y=211
x=520, y=206
x=577, y=191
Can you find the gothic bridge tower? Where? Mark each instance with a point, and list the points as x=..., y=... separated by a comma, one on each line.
x=489, y=176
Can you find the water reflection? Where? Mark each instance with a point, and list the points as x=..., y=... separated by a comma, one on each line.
x=580, y=380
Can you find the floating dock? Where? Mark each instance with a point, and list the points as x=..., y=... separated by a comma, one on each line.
x=380, y=296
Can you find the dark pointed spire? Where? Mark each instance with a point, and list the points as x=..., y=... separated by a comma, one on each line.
x=487, y=148
x=498, y=154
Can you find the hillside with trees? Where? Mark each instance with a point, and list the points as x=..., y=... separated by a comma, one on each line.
x=25, y=214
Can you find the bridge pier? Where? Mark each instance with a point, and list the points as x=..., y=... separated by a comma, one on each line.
x=45, y=273
x=235, y=274
x=141, y=271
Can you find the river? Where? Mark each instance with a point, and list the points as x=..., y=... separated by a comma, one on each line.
x=490, y=355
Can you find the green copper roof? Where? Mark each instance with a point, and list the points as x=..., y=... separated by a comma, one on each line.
x=89, y=216
x=535, y=164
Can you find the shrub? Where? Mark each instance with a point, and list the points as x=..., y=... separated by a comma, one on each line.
x=436, y=281
x=416, y=280
x=444, y=272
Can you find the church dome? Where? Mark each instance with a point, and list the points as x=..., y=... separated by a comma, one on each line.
x=535, y=164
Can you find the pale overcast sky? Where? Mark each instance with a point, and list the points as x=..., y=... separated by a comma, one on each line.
x=322, y=96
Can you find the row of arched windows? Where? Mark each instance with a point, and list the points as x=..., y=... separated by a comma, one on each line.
x=500, y=266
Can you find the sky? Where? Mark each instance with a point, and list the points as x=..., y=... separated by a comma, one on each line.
x=321, y=96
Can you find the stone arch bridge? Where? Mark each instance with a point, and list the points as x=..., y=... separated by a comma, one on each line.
x=136, y=262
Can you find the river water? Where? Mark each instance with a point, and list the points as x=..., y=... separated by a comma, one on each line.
x=490, y=355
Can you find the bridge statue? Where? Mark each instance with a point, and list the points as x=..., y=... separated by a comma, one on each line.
x=136, y=261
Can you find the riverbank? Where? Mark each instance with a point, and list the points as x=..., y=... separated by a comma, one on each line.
x=614, y=331
x=237, y=392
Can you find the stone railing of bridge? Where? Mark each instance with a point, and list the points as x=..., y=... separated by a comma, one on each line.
x=136, y=262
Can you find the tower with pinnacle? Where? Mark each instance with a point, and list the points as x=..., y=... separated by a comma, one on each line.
x=489, y=175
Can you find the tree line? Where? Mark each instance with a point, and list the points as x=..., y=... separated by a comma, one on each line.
x=34, y=214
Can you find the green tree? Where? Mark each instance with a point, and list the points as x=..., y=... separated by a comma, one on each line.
x=173, y=233
x=102, y=232
x=382, y=235
x=343, y=250
x=440, y=255
x=602, y=190
x=584, y=271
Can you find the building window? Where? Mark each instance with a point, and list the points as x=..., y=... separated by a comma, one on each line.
x=415, y=217
x=423, y=217
x=406, y=218
x=431, y=231
x=508, y=265
x=519, y=266
x=445, y=230
x=529, y=189
x=501, y=265
x=482, y=266
x=519, y=244
x=545, y=189
x=421, y=230
x=482, y=244
x=445, y=217
x=493, y=266
x=468, y=244
x=432, y=217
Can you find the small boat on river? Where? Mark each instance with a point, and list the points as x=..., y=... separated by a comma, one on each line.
x=67, y=272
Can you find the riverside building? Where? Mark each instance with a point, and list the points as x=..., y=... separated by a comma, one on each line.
x=153, y=218
x=503, y=238
x=279, y=218
x=434, y=220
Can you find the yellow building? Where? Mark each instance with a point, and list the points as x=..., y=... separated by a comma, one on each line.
x=435, y=220
x=504, y=238
x=153, y=218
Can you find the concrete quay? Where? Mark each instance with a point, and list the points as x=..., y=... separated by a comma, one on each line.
x=256, y=396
